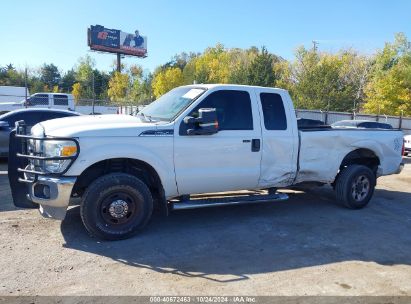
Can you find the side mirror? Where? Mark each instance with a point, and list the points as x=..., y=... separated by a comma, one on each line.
x=205, y=124
x=4, y=124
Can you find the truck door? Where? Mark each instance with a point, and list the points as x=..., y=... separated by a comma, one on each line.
x=280, y=139
x=227, y=160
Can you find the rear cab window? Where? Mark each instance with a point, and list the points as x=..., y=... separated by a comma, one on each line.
x=60, y=100
x=273, y=111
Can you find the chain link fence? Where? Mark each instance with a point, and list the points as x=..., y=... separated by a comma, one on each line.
x=105, y=106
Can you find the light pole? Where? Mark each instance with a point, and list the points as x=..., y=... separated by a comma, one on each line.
x=25, y=87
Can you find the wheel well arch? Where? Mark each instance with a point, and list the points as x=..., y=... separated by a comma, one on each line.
x=362, y=156
x=140, y=169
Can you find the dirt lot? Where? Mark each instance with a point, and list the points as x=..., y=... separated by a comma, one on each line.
x=308, y=245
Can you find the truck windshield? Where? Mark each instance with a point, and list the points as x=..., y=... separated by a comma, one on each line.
x=168, y=106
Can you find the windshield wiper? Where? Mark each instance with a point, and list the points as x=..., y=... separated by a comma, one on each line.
x=146, y=117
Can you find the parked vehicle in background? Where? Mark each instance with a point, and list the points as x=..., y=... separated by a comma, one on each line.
x=60, y=101
x=366, y=124
x=306, y=123
x=192, y=141
x=10, y=94
x=31, y=117
x=407, y=145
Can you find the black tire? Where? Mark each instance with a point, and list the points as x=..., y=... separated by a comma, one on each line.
x=355, y=186
x=116, y=206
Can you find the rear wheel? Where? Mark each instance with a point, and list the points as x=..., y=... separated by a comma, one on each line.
x=116, y=206
x=355, y=186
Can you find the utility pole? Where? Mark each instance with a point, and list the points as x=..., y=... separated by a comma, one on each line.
x=25, y=87
x=315, y=45
x=94, y=93
x=118, y=62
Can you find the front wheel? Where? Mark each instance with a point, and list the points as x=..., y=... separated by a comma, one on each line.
x=355, y=186
x=116, y=206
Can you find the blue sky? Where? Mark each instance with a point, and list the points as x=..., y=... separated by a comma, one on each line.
x=34, y=32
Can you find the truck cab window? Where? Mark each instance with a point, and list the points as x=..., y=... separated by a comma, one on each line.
x=39, y=100
x=60, y=100
x=233, y=109
x=273, y=111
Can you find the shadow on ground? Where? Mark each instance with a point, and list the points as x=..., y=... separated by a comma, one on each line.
x=229, y=243
x=6, y=203
x=226, y=244
x=406, y=159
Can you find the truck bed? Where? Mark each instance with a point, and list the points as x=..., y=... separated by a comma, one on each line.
x=322, y=150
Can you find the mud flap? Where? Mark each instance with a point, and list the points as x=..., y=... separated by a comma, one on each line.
x=19, y=190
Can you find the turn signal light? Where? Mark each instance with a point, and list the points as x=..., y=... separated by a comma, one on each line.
x=68, y=150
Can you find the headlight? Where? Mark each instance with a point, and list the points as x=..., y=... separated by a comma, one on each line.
x=57, y=148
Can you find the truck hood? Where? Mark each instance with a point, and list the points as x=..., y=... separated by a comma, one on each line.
x=96, y=126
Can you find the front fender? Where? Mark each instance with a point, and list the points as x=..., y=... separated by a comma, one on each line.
x=155, y=151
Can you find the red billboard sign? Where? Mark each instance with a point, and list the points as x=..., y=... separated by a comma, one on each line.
x=116, y=41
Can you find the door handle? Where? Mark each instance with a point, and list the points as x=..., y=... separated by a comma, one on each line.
x=255, y=145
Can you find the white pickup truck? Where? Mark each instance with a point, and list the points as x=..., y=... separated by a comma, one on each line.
x=193, y=141
x=59, y=101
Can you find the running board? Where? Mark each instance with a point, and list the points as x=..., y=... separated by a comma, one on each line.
x=227, y=201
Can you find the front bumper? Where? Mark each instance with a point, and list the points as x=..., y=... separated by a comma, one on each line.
x=52, y=194
x=50, y=190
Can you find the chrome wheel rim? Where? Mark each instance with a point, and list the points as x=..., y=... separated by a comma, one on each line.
x=360, y=188
x=118, y=208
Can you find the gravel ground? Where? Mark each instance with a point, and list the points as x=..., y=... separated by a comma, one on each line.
x=308, y=245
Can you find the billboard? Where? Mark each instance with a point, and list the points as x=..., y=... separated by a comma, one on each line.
x=115, y=41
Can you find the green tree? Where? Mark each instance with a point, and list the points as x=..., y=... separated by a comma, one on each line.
x=35, y=85
x=260, y=71
x=240, y=62
x=76, y=91
x=9, y=76
x=101, y=84
x=166, y=80
x=145, y=89
x=389, y=89
x=50, y=75
x=327, y=81
x=140, y=86
x=213, y=66
x=68, y=80
x=118, y=87
x=84, y=76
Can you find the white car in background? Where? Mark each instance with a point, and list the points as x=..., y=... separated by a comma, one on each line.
x=407, y=144
x=58, y=101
